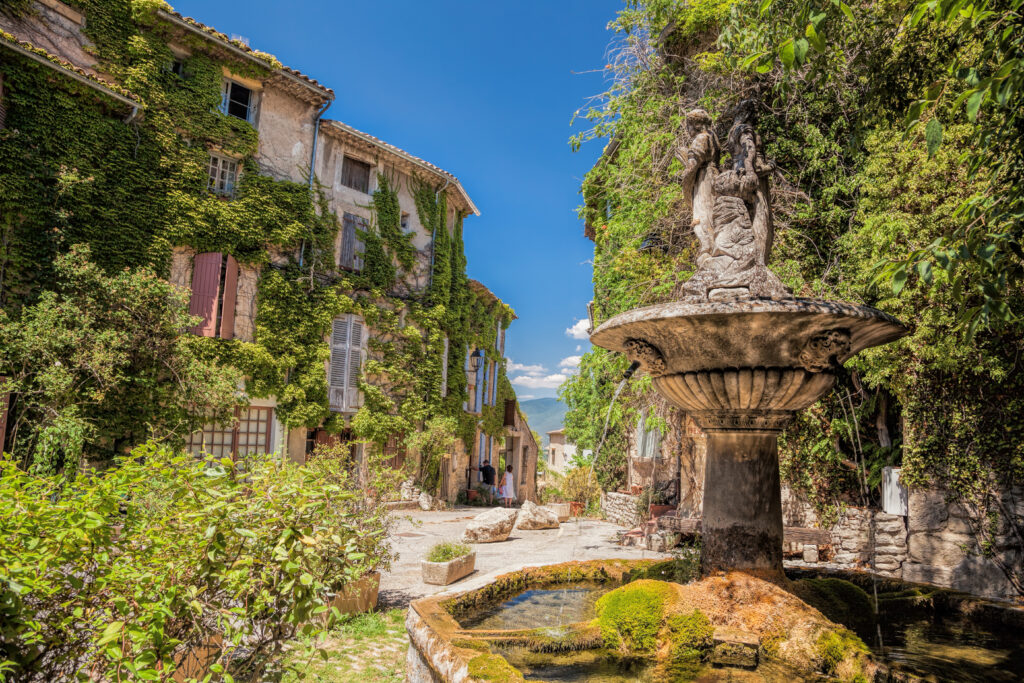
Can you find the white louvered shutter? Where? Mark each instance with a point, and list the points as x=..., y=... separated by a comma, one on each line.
x=357, y=344
x=639, y=434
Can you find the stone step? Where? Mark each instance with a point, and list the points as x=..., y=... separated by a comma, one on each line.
x=734, y=648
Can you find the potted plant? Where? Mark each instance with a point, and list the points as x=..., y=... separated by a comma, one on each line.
x=471, y=495
x=447, y=562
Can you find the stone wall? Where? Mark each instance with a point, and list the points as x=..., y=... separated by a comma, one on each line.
x=621, y=509
x=933, y=544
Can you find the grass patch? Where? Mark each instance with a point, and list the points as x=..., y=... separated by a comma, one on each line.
x=363, y=648
x=447, y=551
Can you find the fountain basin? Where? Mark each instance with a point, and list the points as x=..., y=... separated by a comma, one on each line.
x=752, y=333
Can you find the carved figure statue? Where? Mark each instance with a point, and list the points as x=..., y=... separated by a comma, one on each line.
x=736, y=239
x=700, y=161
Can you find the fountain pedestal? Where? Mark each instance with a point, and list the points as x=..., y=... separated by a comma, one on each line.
x=743, y=369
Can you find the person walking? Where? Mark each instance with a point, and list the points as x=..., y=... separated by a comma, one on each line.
x=487, y=474
x=508, y=487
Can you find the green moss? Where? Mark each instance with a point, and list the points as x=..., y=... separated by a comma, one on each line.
x=839, y=600
x=631, y=617
x=691, y=640
x=471, y=644
x=493, y=668
x=834, y=648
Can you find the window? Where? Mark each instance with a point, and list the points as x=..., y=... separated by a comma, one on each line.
x=251, y=434
x=522, y=466
x=648, y=441
x=348, y=343
x=176, y=67
x=223, y=174
x=238, y=101
x=406, y=227
x=356, y=174
x=214, y=292
x=352, y=247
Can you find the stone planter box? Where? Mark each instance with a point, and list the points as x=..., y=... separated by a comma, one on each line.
x=358, y=596
x=444, y=573
x=560, y=509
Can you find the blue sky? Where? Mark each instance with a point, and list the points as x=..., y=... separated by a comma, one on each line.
x=485, y=90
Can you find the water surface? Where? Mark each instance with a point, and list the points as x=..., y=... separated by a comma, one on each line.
x=539, y=608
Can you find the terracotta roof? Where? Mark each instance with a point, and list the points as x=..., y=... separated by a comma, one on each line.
x=422, y=163
x=240, y=48
x=40, y=55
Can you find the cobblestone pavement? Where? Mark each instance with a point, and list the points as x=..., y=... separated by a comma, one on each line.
x=587, y=539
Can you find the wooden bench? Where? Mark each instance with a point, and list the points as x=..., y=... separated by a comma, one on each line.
x=690, y=526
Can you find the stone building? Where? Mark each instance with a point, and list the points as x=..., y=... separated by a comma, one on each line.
x=560, y=452
x=297, y=143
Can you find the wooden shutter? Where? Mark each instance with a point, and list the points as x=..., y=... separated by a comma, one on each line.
x=360, y=246
x=205, y=291
x=337, y=376
x=357, y=342
x=480, y=382
x=510, y=413
x=228, y=298
x=444, y=367
x=348, y=342
x=348, y=242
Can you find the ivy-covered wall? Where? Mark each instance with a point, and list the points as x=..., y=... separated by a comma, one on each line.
x=73, y=171
x=853, y=188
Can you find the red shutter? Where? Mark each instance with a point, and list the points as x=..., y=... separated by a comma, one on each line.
x=205, y=287
x=227, y=315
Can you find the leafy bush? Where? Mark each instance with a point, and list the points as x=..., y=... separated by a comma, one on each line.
x=447, y=551
x=120, y=573
x=581, y=486
x=549, y=493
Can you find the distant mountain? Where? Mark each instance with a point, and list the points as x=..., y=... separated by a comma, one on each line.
x=544, y=415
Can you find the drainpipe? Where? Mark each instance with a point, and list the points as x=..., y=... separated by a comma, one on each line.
x=312, y=162
x=433, y=236
x=135, y=112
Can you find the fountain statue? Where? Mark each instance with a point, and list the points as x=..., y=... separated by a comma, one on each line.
x=738, y=352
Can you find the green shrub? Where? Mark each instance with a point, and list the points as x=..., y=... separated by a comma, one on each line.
x=581, y=486
x=631, y=616
x=118, y=573
x=447, y=551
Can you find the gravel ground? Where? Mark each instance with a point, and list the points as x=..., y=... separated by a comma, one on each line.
x=587, y=539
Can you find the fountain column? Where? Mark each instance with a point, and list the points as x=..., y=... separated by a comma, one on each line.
x=742, y=520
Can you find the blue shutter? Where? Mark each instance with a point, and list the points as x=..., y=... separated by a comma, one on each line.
x=480, y=382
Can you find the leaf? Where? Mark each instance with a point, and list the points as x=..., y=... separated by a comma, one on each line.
x=933, y=136
x=899, y=278
x=306, y=579
x=847, y=11
x=111, y=633
x=787, y=54
x=245, y=533
x=924, y=269
x=974, y=103
x=765, y=5
x=800, y=50
x=816, y=40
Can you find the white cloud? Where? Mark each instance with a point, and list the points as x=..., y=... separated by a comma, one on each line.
x=540, y=382
x=527, y=369
x=579, y=329
x=579, y=347
x=571, y=362
x=525, y=397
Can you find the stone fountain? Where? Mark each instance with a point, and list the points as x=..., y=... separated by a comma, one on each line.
x=738, y=352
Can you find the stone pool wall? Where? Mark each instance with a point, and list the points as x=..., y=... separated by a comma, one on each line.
x=932, y=544
x=621, y=509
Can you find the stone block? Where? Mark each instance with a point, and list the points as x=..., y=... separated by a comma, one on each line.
x=927, y=510
x=492, y=526
x=561, y=510
x=534, y=517
x=939, y=549
x=734, y=648
x=444, y=573
x=890, y=550
x=810, y=553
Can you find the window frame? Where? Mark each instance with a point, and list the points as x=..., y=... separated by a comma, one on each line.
x=346, y=177
x=215, y=183
x=226, y=100
x=233, y=434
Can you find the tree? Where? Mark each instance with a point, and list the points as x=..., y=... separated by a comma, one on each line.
x=101, y=363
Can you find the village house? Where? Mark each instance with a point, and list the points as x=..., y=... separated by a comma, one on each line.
x=287, y=111
x=560, y=452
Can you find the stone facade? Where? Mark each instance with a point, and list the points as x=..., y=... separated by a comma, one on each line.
x=621, y=508
x=933, y=544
